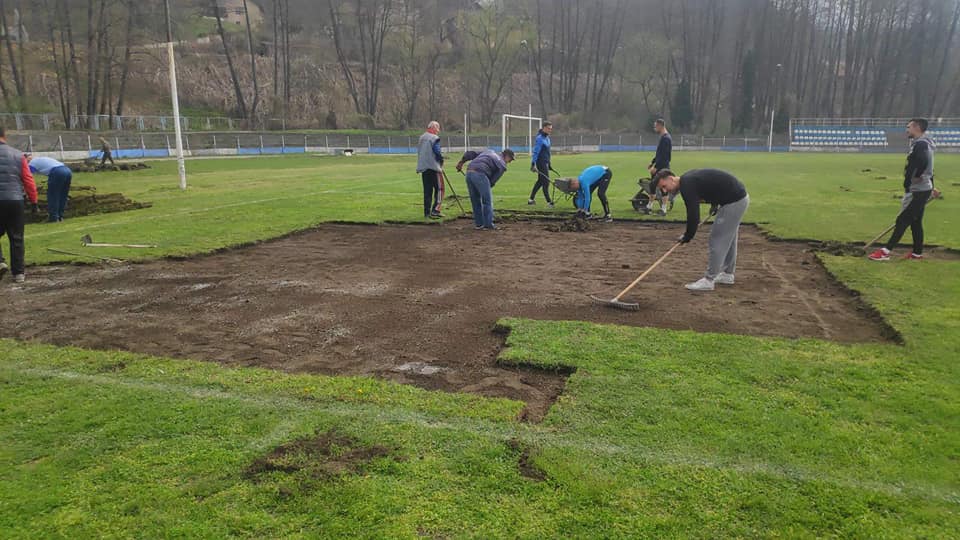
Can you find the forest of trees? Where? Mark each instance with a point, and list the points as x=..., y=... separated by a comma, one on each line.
x=707, y=66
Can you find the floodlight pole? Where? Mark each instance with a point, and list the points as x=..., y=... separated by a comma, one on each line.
x=175, y=97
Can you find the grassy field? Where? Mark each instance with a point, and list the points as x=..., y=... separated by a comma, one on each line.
x=234, y=201
x=658, y=433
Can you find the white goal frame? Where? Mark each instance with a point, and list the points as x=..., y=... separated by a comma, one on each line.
x=529, y=118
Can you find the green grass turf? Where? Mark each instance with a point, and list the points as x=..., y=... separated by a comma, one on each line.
x=235, y=201
x=658, y=434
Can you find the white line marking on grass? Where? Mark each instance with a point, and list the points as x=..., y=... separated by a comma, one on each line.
x=543, y=436
x=139, y=219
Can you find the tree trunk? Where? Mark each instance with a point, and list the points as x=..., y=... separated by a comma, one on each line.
x=237, y=91
x=253, y=65
x=128, y=48
x=17, y=81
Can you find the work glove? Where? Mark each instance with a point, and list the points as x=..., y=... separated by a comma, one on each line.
x=713, y=209
x=460, y=166
x=683, y=239
x=533, y=168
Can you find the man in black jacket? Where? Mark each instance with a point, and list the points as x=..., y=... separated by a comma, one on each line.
x=642, y=202
x=722, y=190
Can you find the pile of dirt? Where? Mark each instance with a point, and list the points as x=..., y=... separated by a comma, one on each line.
x=838, y=248
x=85, y=201
x=322, y=455
x=575, y=224
x=92, y=165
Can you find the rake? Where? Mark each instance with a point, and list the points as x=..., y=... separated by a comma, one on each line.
x=87, y=241
x=443, y=173
x=616, y=303
x=105, y=259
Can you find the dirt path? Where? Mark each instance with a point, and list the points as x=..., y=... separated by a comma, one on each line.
x=417, y=304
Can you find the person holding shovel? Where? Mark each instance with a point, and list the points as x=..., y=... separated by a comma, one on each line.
x=540, y=164
x=918, y=190
x=729, y=199
x=59, y=177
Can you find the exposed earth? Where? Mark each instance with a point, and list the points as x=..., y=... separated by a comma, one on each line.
x=418, y=304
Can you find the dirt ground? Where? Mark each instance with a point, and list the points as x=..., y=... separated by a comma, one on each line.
x=418, y=304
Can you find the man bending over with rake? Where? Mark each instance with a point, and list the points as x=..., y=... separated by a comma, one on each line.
x=724, y=192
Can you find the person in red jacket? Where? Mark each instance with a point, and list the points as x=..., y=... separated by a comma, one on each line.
x=15, y=183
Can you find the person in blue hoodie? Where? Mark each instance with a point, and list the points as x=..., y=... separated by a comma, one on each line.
x=540, y=164
x=594, y=178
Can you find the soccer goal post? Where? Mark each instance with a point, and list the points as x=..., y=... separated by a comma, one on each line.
x=505, y=122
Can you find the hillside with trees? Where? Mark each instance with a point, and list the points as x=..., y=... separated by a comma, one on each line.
x=709, y=67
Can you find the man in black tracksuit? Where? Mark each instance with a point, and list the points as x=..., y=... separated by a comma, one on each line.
x=642, y=202
x=540, y=164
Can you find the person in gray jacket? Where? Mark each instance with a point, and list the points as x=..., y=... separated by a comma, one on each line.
x=918, y=190
x=15, y=183
x=429, y=163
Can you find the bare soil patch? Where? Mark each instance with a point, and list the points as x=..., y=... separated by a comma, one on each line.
x=418, y=304
x=322, y=455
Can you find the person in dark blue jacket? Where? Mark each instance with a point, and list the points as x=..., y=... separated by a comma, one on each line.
x=482, y=174
x=540, y=164
x=594, y=178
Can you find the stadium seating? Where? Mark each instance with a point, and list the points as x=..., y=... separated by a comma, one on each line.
x=838, y=136
x=945, y=136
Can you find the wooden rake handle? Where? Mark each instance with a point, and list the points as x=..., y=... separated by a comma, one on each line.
x=647, y=271
x=657, y=263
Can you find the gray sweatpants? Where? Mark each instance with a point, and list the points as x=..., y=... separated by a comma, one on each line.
x=723, y=238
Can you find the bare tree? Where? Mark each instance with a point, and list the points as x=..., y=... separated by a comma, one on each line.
x=372, y=20
x=237, y=91
x=17, y=80
x=253, y=65
x=494, y=55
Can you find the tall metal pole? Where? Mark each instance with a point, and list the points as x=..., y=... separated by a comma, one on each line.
x=773, y=108
x=175, y=97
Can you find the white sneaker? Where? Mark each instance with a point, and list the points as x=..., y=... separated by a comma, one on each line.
x=702, y=284
x=18, y=278
x=724, y=278
x=3, y=269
